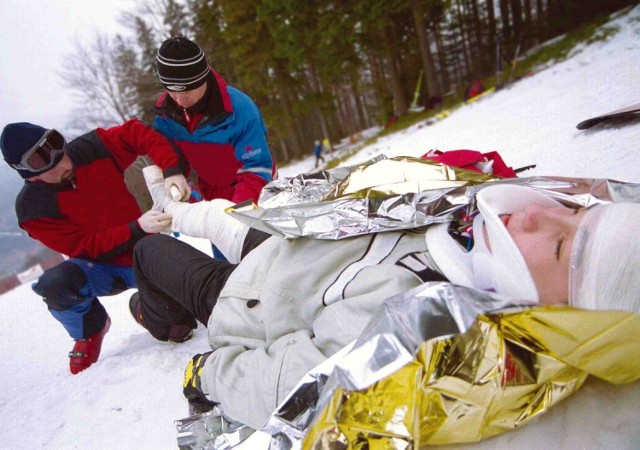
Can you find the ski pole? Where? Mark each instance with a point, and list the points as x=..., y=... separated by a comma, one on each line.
x=515, y=59
x=416, y=95
x=522, y=169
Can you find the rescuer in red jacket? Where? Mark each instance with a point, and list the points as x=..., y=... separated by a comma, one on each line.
x=75, y=201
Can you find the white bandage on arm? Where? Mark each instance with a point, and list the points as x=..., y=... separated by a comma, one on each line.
x=206, y=219
x=155, y=183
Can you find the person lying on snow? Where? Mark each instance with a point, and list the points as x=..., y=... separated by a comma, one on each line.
x=287, y=305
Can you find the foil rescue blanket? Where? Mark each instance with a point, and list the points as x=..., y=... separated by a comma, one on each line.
x=387, y=194
x=505, y=370
x=439, y=364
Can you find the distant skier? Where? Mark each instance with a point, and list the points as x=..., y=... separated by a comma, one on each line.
x=317, y=151
x=75, y=201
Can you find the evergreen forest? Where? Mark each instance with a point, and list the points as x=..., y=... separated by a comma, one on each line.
x=322, y=68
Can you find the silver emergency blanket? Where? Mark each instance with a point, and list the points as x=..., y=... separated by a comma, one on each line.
x=210, y=430
x=379, y=195
x=389, y=342
x=386, y=194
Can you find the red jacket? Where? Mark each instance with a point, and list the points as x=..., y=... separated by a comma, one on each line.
x=96, y=216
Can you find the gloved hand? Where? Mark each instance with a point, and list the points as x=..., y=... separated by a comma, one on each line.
x=191, y=388
x=154, y=221
x=180, y=182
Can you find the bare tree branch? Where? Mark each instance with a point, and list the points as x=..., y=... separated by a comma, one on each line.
x=101, y=77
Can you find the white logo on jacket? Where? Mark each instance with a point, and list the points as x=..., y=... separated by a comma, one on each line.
x=251, y=153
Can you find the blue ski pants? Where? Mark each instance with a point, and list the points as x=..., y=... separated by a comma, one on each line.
x=71, y=290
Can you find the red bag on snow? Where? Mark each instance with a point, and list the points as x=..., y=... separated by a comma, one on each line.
x=473, y=160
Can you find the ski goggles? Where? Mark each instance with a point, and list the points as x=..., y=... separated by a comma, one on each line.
x=44, y=155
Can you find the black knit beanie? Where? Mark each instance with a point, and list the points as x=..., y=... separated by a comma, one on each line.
x=181, y=64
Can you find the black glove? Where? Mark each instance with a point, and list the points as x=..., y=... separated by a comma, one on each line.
x=191, y=387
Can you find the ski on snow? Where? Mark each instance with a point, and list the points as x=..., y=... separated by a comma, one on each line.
x=624, y=113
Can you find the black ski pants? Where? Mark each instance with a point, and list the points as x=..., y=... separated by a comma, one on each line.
x=178, y=283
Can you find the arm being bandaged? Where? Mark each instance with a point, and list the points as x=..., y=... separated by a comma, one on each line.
x=205, y=219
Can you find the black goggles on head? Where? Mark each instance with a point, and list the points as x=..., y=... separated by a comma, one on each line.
x=43, y=156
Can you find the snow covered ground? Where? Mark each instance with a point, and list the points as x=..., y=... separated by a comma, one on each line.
x=132, y=396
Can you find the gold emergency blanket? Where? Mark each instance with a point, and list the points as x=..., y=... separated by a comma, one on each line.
x=502, y=372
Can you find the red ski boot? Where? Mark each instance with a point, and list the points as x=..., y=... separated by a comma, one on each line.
x=86, y=351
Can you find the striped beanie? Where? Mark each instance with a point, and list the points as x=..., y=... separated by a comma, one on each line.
x=181, y=64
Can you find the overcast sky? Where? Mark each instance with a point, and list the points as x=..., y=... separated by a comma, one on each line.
x=35, y=37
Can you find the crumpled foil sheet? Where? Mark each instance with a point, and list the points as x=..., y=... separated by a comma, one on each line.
x=507, y=368
x=386, y=194
x=389, y=342
x=210, y=430
x=430, y=358
x=441, y=364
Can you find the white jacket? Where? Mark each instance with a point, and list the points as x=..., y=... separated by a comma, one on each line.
x=291, y=304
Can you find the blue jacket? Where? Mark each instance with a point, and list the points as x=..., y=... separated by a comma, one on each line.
x=227, y=148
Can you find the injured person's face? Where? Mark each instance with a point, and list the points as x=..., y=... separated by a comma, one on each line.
x=544, y=235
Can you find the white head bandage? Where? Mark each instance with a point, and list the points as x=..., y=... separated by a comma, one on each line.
x=605, y=259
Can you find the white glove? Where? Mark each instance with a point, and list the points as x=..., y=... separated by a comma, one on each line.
x=180, y=182
x=155, y=221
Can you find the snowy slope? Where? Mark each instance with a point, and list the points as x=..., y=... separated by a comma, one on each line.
x=534, y=120
x=131, y=397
